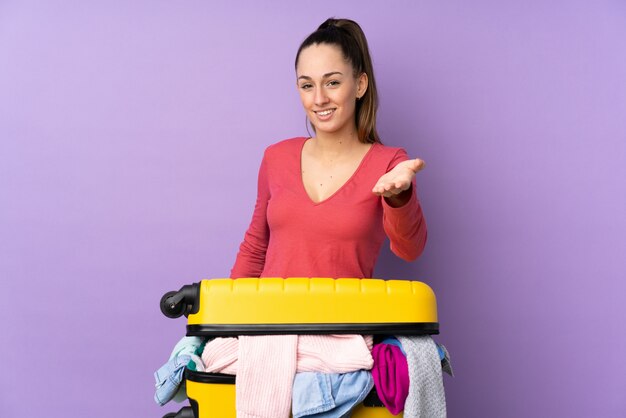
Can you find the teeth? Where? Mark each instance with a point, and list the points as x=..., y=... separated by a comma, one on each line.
x=325, y=112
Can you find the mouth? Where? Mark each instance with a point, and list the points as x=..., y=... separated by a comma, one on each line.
x=325, y=114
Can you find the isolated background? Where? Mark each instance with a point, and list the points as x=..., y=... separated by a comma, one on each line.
x=130, y=138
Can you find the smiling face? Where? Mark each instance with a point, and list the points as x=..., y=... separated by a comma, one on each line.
x=328, y=89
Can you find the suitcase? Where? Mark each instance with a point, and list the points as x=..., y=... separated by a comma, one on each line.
x=226, y=307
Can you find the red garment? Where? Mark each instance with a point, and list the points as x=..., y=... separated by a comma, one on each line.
x=292, y=236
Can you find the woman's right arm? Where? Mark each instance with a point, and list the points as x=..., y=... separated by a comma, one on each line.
x=251, y=257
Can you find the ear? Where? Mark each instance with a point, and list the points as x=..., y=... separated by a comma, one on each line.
x=361, y=85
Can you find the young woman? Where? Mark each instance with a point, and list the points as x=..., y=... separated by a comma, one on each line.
x=325, y=203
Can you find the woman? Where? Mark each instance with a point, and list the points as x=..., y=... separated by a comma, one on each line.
x=325, y=203
x=323, y=207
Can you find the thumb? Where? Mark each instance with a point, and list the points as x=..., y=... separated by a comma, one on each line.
x=417, y=165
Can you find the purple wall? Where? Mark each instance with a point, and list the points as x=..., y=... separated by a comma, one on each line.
x=130, y=137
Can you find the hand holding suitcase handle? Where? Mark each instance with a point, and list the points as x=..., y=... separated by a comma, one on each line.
x=175, y=304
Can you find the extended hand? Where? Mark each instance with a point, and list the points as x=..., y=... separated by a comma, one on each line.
x=399, y=179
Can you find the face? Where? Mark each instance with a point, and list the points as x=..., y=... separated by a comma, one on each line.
x=328, y=88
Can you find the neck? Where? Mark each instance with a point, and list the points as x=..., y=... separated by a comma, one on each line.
x=336, y=142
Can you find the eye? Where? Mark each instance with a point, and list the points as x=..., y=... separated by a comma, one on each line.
x=306, y=86
x=333, y=83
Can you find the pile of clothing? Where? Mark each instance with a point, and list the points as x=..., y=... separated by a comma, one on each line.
x=317, y=376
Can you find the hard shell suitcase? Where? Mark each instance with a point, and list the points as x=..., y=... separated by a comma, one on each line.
x=226, y=307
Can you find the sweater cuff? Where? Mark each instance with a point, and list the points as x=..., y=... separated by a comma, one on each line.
x=408, y=207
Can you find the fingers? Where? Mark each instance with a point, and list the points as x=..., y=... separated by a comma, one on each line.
x=417, y=165
x=391, y=188
x=392, y=193
x=399, y=179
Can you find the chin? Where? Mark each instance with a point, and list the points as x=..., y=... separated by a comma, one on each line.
x=329, y=127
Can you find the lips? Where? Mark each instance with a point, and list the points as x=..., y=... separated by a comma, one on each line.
x=325, y=114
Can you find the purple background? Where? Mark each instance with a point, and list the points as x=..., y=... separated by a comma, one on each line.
x=130, y=138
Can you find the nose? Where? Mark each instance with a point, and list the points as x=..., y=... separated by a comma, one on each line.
x=320, y=96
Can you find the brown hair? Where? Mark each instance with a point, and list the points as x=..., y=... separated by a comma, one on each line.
x=349, y=37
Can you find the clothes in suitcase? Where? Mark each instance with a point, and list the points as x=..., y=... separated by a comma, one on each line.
x=272, y=306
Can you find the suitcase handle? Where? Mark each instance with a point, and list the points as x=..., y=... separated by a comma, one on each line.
x=175, y=304
x=185, y=412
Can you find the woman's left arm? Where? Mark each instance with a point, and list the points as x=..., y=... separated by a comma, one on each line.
x=403, y=220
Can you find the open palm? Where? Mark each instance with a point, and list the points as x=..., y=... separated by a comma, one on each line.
x=398, y=179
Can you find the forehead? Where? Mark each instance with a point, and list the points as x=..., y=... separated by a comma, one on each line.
x=319, y=59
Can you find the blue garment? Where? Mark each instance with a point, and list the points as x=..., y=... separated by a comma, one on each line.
x=188, y=345
x=170, y=382
x=394, y=341
x=446, y=365
x=323, y=395
x=193, y=347
x=442, y=353
x=168, y=379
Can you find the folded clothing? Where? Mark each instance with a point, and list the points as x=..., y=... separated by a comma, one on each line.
x=266, y=366
x=426, y=396
x=192, y=347
x=170, y=384
x=315, y=353
x=391, y=376
x=322, y=395
x=168, y=379
x=446, y=364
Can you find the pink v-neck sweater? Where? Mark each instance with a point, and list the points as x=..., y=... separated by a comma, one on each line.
x=292, y=236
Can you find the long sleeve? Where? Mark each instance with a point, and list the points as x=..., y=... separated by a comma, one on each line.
x=292, y=236
x=251, y=257
x=405, y=226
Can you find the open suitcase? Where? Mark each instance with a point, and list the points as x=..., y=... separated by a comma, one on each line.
x=226, y=307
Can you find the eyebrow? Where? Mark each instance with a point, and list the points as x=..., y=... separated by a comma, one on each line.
x=306, y=77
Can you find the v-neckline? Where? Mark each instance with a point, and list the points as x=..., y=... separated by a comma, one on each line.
x=313, y=202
